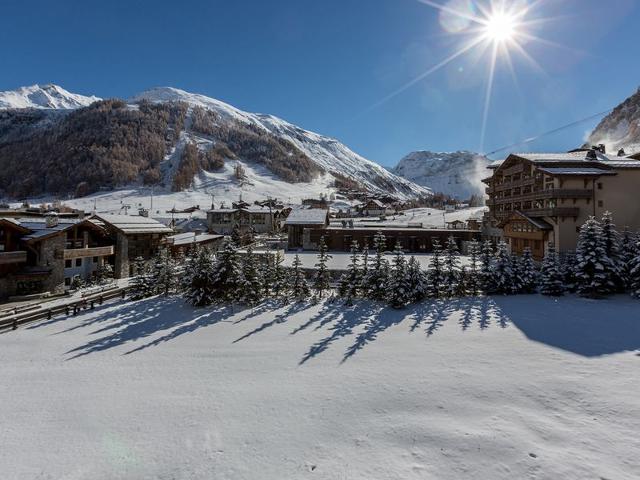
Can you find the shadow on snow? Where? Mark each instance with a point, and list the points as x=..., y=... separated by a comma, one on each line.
x=585, y=327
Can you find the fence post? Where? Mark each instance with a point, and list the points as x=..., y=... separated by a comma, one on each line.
x=66, y=310
x=123, y=292
x=91, y=305
x=14, y=326
x=48, y=314
x=100, y=300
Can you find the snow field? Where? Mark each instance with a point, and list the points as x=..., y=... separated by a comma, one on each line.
x=500, y=388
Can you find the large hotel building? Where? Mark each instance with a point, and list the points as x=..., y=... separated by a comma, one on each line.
x=540, y=198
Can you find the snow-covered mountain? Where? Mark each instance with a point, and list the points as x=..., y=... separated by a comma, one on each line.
x=278, y=158
x=44, y=96
x=329, y=154
x=457, y=174
x=621, y=128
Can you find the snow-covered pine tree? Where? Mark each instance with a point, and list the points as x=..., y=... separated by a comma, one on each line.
x=280, y=285
x=164, y=272
x=551, y=280
x=251, y=287
x=375, y=284
x=472, y=273
x=436, y=272
x=417, y=280
x=228, y=277
x=351, y=280
x=452, y=270
x=612, y=248
x=628, y=252
x=299, y=288
x=527, y=272
x=399, y=288
x=634, y=272
x=364, y=271
x=322, y=280
x=594, y=269
x=140, y=285
x=486, y=273
x=104, y=274
x=199, y=281
x=568, y=269
x=502, y=271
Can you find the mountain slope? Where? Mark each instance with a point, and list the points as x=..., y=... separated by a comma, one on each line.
x=45, y=96
x=329, y=154
x=171, y=140
x=621, y=128
x=457, y=174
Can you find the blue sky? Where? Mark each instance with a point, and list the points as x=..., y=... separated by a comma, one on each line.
x=323, y=64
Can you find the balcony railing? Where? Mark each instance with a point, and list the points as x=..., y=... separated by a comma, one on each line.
x=70, y=253
x=554, y=212
x=13, y=257
x=545, y=194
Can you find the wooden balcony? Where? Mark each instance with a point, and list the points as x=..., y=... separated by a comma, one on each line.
x=540, y=195
x=13, y=257
x=553, y=212
x=70, y=253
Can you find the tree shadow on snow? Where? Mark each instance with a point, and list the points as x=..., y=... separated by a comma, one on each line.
x=139, y=320
x=280, y=318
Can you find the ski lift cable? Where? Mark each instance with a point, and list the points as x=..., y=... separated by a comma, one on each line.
x=550, y=132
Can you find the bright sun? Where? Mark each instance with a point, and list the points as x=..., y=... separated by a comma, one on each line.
x=500, y=27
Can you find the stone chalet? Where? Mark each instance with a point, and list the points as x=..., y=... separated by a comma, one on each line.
x=256, y=218
x=45, y=253
x=133, y=237
x=301, y=223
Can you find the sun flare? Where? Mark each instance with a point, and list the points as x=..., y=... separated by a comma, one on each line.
x=500, y=27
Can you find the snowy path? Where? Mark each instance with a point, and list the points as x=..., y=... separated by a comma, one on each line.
x=505, y=388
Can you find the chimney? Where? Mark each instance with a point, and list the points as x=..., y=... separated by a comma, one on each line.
x=602, y=147
x=51, y=219
x=622, y=153
x=591, y=155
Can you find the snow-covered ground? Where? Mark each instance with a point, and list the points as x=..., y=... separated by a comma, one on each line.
x=496, y=388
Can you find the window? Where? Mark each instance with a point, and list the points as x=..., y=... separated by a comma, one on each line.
x=95, y=259
x=67, y=281
x=600, y=203
x=78, y=262
x=67, y=264
x=599, y=186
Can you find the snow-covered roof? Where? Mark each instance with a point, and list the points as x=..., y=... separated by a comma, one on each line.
x=190, y=238
x=582, y=171
x=37, y=226
x=133, y=224
x=537, y=222
x=308, y=216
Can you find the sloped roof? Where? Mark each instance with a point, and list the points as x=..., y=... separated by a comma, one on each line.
x=310, y=216
x=133, y=224
x=581, y=171
x=189, y=238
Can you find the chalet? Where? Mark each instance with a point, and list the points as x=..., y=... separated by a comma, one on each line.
x=181, y=243
x=301, y=223
x=541, y=198
x=133, y=237
x=46, y=253
x=245, y=218
x=374, y=208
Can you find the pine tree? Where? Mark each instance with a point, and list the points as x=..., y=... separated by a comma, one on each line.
x=551, y=274
x=140, y=285
x=502, y=271
x=164, y=273
x=199, y=282
x=251, y=286
x=486, y=272
x=228, y=277
x=568, y=270
x=452, y=271
x=364, y=271
x=299, y=288
x=322, y=281
x=399, y=289
x=417, y=281
x=436, y=271
x=375, y=283
x=281, y=274
x=472, y=274
x=350, y=280
x=104, y=274
x=628, y=252
x=594, y=269
x=527, y=272
x=612, y=248
x=634, y=272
